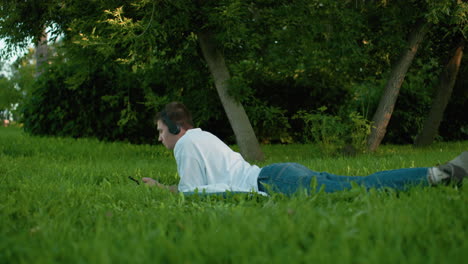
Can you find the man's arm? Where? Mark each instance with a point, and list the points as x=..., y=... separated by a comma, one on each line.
x=153, y=182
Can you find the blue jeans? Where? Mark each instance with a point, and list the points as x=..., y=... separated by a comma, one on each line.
x=288, y=178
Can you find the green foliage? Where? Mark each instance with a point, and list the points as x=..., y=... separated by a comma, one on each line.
x=271, y=124
x=93, y=105
x=334, y=134
x=414, y=102
x=453, y=13
x=15, y=87
x=455, y=123
x=283, y=57
x=8, y=94
x=69, y=200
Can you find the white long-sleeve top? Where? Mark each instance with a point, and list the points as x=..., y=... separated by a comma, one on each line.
x=205, y=163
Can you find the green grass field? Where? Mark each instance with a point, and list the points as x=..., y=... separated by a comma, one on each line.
x=69, y=201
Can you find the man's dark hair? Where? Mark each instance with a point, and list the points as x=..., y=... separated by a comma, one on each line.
x=178, y=113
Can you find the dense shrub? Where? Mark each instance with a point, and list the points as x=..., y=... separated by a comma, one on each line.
x=335, y=134
x=96, y=108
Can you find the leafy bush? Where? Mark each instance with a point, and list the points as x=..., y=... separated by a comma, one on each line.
x=91, y=107
x=334, y=134
x=269, y=122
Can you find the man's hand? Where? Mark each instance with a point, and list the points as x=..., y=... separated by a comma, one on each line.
x=153, y=182
x=150, y=181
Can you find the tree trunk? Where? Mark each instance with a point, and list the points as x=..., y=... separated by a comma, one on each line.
x=245, y=136
x=41, y=53
x=444, y=91
x=392, y=88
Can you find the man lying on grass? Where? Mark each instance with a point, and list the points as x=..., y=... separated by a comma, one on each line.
x=206, y=164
